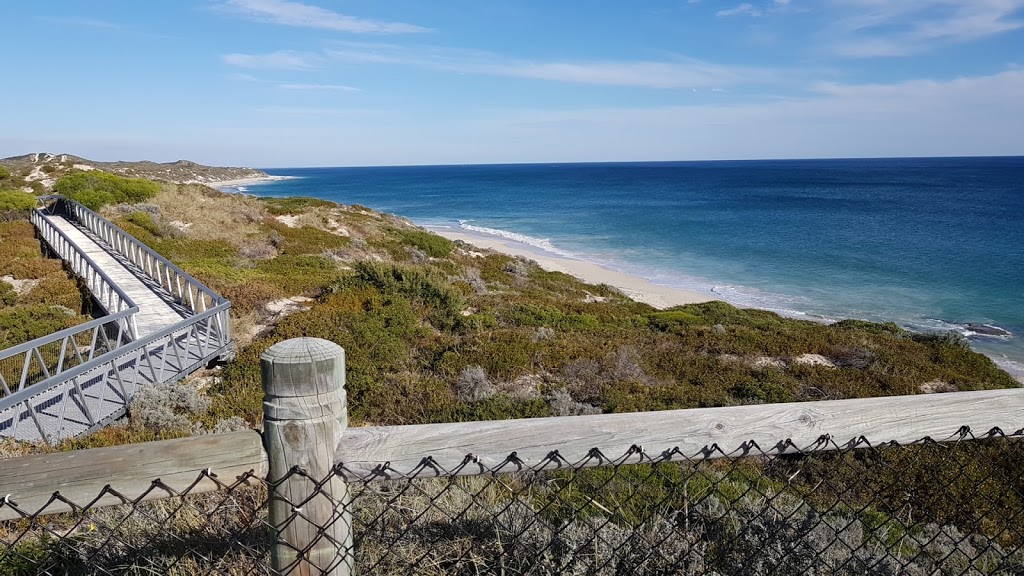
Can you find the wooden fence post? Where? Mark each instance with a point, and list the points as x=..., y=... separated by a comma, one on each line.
x=304, y=416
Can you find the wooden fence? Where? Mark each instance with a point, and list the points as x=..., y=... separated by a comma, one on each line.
x=305, y=428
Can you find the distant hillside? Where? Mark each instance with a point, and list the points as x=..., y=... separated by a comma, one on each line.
x=37, y=172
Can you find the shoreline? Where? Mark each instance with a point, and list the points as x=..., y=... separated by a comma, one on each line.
x=636, y=287
x=247, y=181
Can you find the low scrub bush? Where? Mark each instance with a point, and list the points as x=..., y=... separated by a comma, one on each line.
x=305, y=240
x=432, y=244
x=16, y=201
x=96, y=189
x=168, y=406
x=7, y=294
x=294, y=204
x=22, y=323
x=145, y=221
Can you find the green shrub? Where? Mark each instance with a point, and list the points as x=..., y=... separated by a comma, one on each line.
x=95, y=189
x=7, y=294
x=434, y=245
x=295, y=204
x=20, y=324
x=16, y=200
x=145, y=221
x=416, y=283
x=305, y=239
x=4, y=173
x=93, y=199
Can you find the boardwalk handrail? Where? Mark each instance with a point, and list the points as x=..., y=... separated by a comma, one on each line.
x=107, y=293
x=169, y=276
x=115, y=364
x=119, y=355
x=120, y=311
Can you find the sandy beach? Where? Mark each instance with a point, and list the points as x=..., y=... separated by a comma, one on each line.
x=246, y=181
x=636, y=287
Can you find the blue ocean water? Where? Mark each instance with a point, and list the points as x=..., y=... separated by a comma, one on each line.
x=930, y=243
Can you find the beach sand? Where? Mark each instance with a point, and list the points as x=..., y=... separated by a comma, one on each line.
x=637, y=288
x=246, y=181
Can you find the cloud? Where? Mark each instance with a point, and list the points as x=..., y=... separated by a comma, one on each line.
x=82, y=22
x=743, y=9
x=879, y=28
x=675, y=73
x=965, y=116
x=288, y=13
x=280, y=60
x=318, y=87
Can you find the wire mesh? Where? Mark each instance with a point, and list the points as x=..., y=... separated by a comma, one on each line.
x=952, y=506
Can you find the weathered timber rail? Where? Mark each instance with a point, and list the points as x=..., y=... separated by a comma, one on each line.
x=158, y=324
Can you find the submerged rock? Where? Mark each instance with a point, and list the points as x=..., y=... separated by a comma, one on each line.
x=987, y=330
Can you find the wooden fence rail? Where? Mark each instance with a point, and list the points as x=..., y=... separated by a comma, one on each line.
x=306, y=427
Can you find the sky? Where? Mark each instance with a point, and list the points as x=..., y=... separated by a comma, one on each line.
x=283, y=83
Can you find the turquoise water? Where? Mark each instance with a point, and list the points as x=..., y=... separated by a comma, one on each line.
x=932, y=244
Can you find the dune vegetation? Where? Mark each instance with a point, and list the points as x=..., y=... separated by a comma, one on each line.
x=436, y=331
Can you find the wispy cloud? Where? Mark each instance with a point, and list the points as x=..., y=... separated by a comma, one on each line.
x=318, y=87
x=743, y=9
x=85, y=22
x=678, y=72
x=317, y=112
x=280, y=60
x=748, y=9
x=969, y=115
x=288, y=13
x=880, y=28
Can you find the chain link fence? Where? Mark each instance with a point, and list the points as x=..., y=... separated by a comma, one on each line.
x=953, y=506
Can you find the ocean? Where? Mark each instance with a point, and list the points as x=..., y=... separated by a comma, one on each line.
x=928, y=243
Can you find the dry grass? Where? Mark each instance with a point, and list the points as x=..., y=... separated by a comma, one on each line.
x=213, y=215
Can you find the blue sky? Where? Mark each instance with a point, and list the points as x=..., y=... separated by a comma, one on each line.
x=385, y=82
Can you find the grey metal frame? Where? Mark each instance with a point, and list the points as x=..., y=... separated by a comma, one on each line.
x=65, y=392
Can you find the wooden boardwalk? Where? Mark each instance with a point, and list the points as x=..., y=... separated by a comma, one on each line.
x=155, y=312
x=161, y=325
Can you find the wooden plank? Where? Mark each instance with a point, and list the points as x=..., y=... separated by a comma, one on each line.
x=30, y=481
x=154, y=313
x=903, y=419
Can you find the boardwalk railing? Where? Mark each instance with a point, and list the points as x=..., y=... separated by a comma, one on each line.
x=930, y=484
x=186, y=290
x=77, y=380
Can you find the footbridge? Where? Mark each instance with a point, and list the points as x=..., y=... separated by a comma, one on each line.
x=155, y=324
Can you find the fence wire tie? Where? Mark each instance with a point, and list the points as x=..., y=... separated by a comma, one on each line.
x=750, y=444
x=859, y=440
x=821, y=442
x=636, y=449
x=963, y=432
x=707, y=451
x=466, y=461
x=995, y=431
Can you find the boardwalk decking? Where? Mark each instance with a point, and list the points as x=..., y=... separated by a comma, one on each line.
x=162, y=325
x=154, y=313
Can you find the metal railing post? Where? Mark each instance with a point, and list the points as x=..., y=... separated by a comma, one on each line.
x=304, y=416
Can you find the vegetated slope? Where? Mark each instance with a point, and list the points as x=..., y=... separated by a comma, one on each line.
x=436, y=331
x=37, y=297
x=38, y=172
